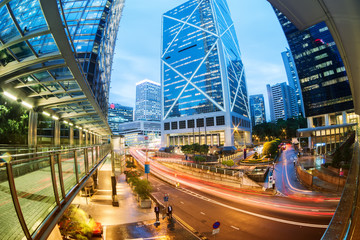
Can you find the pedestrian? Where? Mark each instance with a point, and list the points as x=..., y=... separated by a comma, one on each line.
x=169, y=211
x=157, y=212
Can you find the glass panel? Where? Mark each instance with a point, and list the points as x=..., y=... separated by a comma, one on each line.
x=9, y=222
x=35, y=190
x=43, y=44
x=7, y=26
x=21, y=50
x=81, y=163
x=61, y=73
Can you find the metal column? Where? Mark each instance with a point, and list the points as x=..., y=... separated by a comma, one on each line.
x=56, y=133
x=32, y=131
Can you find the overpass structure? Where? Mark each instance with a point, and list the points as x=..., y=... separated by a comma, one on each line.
x=343, y=20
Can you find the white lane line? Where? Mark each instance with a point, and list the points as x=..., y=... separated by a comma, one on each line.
x=202, y=213
x=266, y=217
x=104, y=232
x=235, y=228
x=182, y=202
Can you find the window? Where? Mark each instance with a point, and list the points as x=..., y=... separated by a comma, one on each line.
x=167, y=126
x=220, y=120
x=191, y=123
x=174, y=126
x=182, y=124
x=210, y=122
x=200, y=122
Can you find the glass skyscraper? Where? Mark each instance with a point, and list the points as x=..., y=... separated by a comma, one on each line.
x=257, y=109
x=203, y=81
x=148, y=101
x=119, y=114
x=282, y=101
x=57, y=55
x=324, y=83
x=293, y=79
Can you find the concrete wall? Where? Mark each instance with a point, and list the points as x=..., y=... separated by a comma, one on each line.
x=305, y=177
x=329, y=178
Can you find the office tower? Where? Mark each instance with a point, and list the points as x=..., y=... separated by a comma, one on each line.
x=148, y=101
x=324, y=85
x=257, y=109
x=203, y=80
x=56, y=56
x=293, y=79
x=119, y=114
x=282, y=101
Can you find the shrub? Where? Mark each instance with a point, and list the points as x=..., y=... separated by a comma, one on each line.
x=200, y=158
x=130, y=164
x=228, y=163
x=143, y=188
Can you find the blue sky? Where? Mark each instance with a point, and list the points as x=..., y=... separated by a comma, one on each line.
x=137, y=53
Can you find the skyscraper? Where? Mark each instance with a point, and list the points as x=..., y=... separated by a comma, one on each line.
x=119, y=114
x=203, y=81
x=282, y=101
x=148, y=101
x=324, y=85
x=293, y=79
x=257, y=109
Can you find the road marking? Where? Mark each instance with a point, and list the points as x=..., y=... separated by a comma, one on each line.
x=202, y=213
x=182, y=202
x=259, y=215
x=235, y=228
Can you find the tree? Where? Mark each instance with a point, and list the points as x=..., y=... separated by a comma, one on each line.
x=204, y=149
x=187, y=149
x=196, y=147
x=199, y=158
x=143, y=188
x=270, y=148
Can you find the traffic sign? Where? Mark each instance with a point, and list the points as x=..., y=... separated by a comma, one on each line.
x=166, y=197
x=216, y=231
x=216, y=225
x=147, y=167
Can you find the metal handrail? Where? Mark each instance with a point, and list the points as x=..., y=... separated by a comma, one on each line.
x=57, y=196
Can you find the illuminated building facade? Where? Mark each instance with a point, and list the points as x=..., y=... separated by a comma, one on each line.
x=119, y=114
x=257, y=109
x=148, y=101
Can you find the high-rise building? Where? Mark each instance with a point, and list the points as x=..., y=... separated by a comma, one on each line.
x=148, y=101
x=324, y=85
x=56, y=56
x=282, y=101
x=293, y=79
x=204, y=94
x=257, y=109
x=119, y=114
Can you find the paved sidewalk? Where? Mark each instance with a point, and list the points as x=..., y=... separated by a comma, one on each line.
x=128, y=220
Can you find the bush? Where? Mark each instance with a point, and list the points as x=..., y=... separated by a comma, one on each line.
x=130, y=164
x=143, y=188
x=270, y=148
x=228, y=163
x=76, y=223
x=200, y=158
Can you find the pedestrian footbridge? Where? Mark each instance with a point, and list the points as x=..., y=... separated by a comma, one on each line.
x=37, y=187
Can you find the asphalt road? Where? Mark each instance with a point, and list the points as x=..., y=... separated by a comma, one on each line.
x=242, y=215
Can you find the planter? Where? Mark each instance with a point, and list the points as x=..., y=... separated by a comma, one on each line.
x=145, y=203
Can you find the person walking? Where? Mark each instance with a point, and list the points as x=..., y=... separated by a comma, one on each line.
x=157, y=212
x=169, y=211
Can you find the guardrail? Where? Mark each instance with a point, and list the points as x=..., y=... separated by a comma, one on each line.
x=345, y=219
x=230, y=157
x=36, y=188
x=238, y=173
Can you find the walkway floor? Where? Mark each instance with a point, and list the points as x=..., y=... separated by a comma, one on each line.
x=128, y=221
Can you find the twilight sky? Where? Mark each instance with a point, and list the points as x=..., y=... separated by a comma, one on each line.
x=137, y=53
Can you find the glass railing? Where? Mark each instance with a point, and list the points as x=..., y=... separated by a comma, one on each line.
x=34, y=186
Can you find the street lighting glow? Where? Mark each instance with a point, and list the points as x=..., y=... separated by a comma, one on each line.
x=46, y=113
x=65, y=122
x=71, y=124
x=9, y=95
x=55, y=117
x=28, y=105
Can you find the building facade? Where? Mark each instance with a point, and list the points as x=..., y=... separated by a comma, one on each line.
x=204, y=93
x=293, y=79
x=134, y=133
x=282, y=101
x=148, y=101
x=119, y=114
x=257, y=109
x=328, y=101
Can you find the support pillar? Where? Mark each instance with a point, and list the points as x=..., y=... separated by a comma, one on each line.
x=56, y=133
x=71, y=135
x=327, y=120
x=86, y=139
x=32, y=132
x=310, y=122
x=344, y=117
x=80, y=136
x=91, y=138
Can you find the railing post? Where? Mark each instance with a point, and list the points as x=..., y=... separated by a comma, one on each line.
x=53, y=179
x=97, y=154
x=16, y=200
x=76, y=167
x=92, y=155
x=86, y=160
x=61, y=175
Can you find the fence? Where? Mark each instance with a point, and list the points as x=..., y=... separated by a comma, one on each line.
x=36, y=188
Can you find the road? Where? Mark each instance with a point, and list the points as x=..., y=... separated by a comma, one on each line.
x=245, y=215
